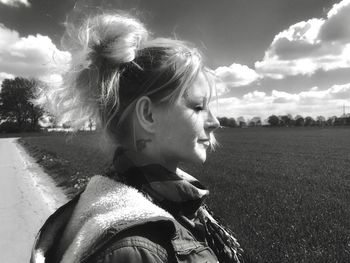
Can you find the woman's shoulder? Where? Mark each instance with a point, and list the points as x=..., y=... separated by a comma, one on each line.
x=144, y=243
x=103, y=210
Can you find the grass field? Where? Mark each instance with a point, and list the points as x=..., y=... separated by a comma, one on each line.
x=285, y=192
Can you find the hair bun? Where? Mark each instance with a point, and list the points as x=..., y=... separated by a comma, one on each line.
x=115, y=37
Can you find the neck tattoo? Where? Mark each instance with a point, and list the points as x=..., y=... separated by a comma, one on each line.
x=141, y=144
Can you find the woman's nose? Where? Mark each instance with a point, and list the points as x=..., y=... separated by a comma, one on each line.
x=212, y=123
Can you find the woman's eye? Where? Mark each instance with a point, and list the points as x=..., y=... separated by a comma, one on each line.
x=198, y=108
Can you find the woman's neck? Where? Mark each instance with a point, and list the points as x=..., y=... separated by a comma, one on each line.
x=145, y=158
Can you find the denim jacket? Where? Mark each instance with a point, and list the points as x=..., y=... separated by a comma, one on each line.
x=111, y=222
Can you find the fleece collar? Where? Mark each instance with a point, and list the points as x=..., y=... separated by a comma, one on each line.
x=105, y=208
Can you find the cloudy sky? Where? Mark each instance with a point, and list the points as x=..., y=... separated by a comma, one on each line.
x=272, y=56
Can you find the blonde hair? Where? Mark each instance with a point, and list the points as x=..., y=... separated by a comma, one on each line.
x=115, y=62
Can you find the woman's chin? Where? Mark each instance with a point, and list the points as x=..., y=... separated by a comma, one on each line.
x=198, y=155
x=201, y=155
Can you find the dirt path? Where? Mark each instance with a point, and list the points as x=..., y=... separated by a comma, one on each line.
x=27, y=197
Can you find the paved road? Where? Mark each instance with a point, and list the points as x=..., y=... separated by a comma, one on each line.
x=27, y=198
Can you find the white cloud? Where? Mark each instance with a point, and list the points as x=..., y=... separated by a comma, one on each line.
x=31, y=56
x=313, y=102
x=4, y=75
x=15, y=3
x=337, y=26
x=234, y=76
x=308, y=46
x=254, y=96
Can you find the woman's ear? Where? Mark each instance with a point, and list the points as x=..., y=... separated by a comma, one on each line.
x=144, y=113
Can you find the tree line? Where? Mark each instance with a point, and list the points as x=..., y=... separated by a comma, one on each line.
x=285, y=121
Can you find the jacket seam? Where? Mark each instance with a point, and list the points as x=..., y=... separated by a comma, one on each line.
x=140, y=244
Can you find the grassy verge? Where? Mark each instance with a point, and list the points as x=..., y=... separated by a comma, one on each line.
x=285, y=192
x=70, y=160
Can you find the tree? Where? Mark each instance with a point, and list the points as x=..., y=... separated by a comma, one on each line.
x=286, y=120
x=299, y=120
x=321, y=121
x=227, y=122
x=255, y=121
x=241, y=122
x=309, y=121
x=339, y=121
x=16, y=103
x=232, y=123
x=223, y=121
x=331, y=120
x=346, y=120
x=273, y=120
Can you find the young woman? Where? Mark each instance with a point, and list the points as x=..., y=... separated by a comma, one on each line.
x=152, y=99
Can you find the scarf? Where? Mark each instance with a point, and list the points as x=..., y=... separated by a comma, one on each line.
x=181, y=195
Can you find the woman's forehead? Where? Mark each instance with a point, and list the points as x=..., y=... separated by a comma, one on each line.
x=200, y=88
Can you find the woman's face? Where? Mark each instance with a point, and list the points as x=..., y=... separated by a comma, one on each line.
x=184, y=129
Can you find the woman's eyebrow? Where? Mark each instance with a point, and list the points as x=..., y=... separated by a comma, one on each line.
x=202, y=99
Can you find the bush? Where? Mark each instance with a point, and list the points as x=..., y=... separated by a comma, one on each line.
x=9, y=127
x=13, y=127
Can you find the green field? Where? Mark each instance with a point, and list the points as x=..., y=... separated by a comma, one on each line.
x=285, y=192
